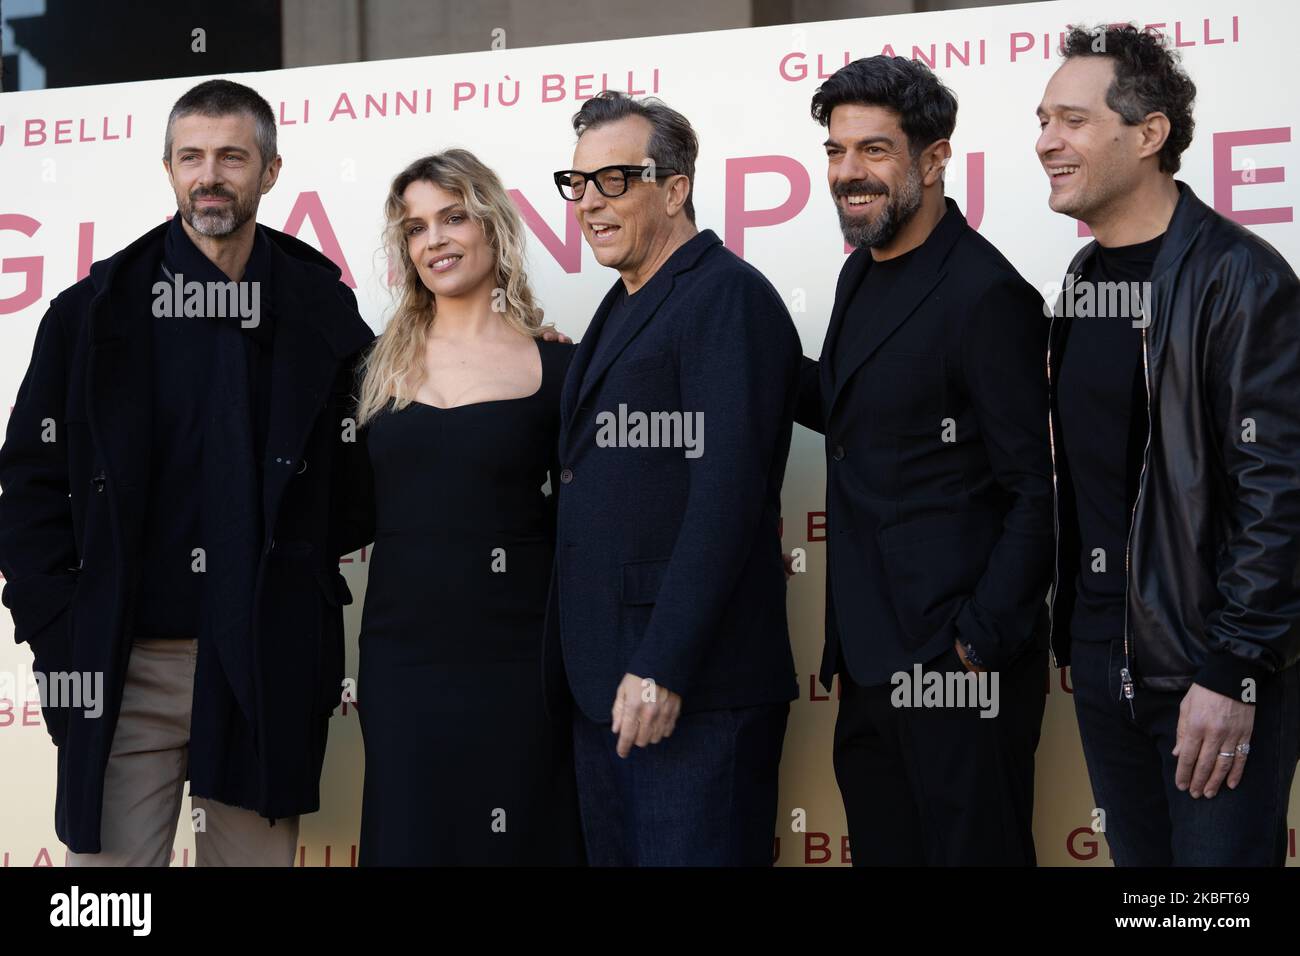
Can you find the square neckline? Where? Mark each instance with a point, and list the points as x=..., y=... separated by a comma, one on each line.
x=537, y=342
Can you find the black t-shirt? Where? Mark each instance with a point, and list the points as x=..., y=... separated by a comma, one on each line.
x=618, y=314
x=1103, y=414
x=880, y=278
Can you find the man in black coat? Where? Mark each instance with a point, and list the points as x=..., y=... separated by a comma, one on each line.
x=668, y=597
x=174, y=506
x=931, y=392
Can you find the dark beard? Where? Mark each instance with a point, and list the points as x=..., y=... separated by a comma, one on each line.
x=899, y=210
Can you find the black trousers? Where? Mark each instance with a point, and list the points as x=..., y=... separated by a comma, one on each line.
x=942, y=785
x=1149, y=821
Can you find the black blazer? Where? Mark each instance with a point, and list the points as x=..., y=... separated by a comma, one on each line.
x=73, y=511
x=669, y=567
x=938, y=471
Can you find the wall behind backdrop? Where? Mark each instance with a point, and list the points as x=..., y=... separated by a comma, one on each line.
x=80, y=176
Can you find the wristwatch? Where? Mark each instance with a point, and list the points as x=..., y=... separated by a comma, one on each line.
x=971, y=656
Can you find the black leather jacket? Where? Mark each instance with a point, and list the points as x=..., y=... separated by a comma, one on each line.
x=1213, y=558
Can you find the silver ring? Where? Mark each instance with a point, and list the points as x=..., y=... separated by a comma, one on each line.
x=1222, y=754
x=1243, y=749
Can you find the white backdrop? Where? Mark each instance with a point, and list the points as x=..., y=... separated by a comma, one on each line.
x=81, y=175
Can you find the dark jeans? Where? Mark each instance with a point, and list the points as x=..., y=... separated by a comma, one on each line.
x=941, y=786
x=1148, y=821
x=706, y=796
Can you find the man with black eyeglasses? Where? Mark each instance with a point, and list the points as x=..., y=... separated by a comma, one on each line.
x=667, y=603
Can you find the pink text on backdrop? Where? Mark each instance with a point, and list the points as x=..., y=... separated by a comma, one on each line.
x=738, y=217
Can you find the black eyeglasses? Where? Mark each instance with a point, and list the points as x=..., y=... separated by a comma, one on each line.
x=611, y=181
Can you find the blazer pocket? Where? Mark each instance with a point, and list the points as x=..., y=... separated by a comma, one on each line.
x=967, y=525
x=640, y=590
x=642, y=363
x=932, y=565
x=641, y=580
x=295, y=550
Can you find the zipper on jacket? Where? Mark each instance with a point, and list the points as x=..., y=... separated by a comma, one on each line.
x=1127, y=687
x=1056, y=514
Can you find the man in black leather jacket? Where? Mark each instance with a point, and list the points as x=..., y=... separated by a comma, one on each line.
x=1174, y=361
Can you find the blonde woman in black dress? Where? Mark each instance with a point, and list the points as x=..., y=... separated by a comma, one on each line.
x=459, y=409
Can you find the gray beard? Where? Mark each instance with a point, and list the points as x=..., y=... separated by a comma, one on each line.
x=216, y=224
x=899, y=209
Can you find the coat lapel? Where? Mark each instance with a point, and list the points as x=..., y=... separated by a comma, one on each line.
x=855, y=270
x=644, y=305
x=584, y=376
x=920, y=275
x=119, y=386
x=582, y=356
x=311, y=342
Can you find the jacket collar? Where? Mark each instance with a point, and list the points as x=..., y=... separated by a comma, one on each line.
x=582, y=379
x=925, y=268
x=1189, y=216
x=305, y=291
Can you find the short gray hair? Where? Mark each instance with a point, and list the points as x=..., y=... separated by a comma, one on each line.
x=226, y=98
x=673, y=143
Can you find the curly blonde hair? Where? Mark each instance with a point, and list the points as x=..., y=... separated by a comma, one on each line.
x=394, y=367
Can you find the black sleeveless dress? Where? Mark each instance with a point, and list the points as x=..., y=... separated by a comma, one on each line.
x=463, y=766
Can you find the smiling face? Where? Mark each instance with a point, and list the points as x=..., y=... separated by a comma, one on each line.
x=624, y=231
x=1091, y=156
x=216, y=172
x=876, y=184
x=448, y=249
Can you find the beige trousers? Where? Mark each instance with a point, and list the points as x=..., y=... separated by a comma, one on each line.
x=145, y=779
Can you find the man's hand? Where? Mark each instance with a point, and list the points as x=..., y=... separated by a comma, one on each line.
x=1209, y=725
x=789, y=565
x=555, y=335
x=965, y=661
x=643, y=712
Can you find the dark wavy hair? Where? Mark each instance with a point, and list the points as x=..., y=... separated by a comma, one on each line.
x=1149, y=78
x=927, y=110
